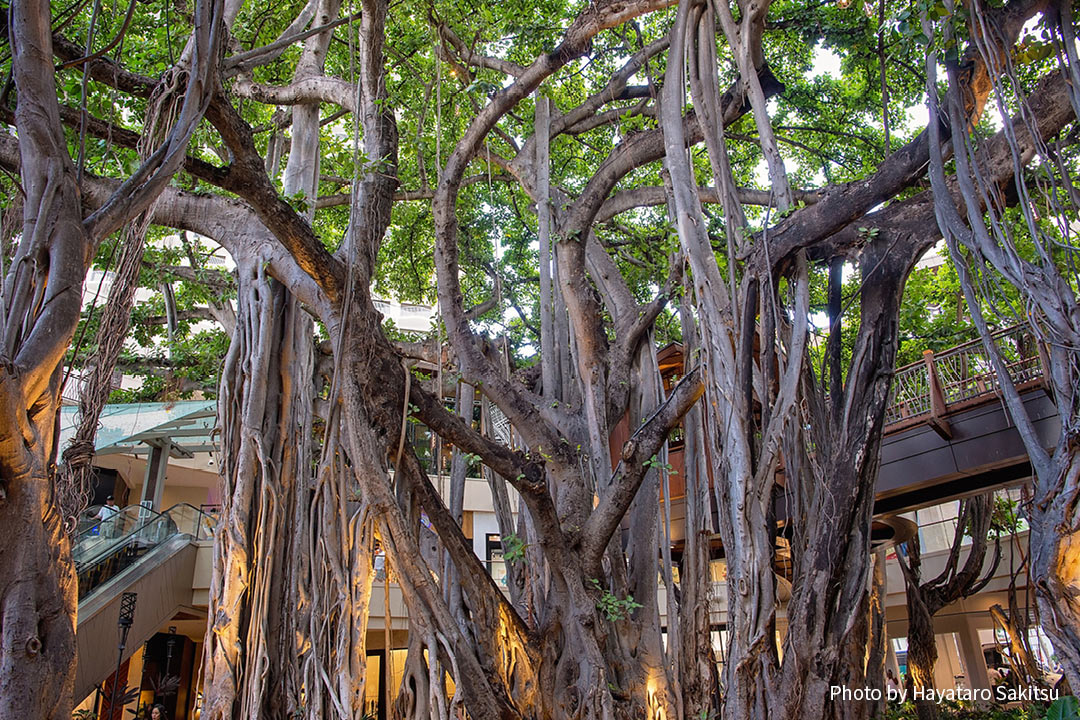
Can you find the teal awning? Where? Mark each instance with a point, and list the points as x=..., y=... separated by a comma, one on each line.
x=188, y=427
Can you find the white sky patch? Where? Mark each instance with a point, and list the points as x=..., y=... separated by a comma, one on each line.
x=917, y=116
x=1031, y=26
x=991, y=117
x=826, y=62
x=761, y=173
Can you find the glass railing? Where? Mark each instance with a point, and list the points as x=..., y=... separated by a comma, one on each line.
x=110, y=546
x=192, y=521
x=104, y=533
x=87, y=519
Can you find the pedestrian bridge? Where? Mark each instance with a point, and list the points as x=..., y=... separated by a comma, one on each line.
x=947, y=432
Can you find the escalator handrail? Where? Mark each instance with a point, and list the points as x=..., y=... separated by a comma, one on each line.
x=203, y=520
x=89, y=532
x=154, y=516
x=120, y=541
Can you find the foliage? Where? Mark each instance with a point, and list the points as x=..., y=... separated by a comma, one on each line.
x=611, y=606
x=1064, y=708
x=1006, y=516
x=829, y=122
x=655, y=464
x=513, y=548
x=954, y=710
x=165, y=365
x=933, y=315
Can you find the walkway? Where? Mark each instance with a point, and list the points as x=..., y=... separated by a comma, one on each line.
x=947, y=432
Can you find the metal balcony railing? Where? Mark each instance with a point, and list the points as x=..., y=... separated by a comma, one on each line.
x=942, y=382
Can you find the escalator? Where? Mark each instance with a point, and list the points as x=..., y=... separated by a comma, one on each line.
x=135, y=550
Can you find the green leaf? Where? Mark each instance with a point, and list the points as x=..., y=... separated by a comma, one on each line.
x=1064, y=708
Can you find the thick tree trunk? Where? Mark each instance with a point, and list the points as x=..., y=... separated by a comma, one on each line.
x=641, y=637
x=41, y=305
x=1054, y=546
x=922, y=652
x=1021, y=663
x=38, y=588
x=41, y=308
x=584, y=658
x=877, y=651
x=699, y=677
x=827, y=612
x=37, y=597
x=258, y=596
x=744, y=510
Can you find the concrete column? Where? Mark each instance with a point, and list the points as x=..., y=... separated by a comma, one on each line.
x=974, y=661
x=950, y=665
x=154, y=483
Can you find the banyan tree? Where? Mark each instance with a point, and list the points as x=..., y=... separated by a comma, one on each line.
x=576, y=185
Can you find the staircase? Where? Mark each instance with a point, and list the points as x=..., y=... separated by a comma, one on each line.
x=136, y=550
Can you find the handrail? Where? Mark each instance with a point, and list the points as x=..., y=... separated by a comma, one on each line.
x=930, y=388
x=100, y=557
x=140, y=512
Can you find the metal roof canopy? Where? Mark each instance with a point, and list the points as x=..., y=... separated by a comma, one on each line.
x=185, y=428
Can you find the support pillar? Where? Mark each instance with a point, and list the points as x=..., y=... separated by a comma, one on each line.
x=154, y=482
x=974, y=660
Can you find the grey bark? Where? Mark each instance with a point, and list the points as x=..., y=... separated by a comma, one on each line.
x=980, y=243
x=41, y=304
x=260, y=587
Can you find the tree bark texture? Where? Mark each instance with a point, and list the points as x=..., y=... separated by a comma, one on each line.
x=260, y=591
x=294, y=559
x=981, y=245
x=41, y=301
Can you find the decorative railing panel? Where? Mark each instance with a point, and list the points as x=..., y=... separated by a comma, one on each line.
x=500, y=425
x=910, y=394
x=961, y=374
